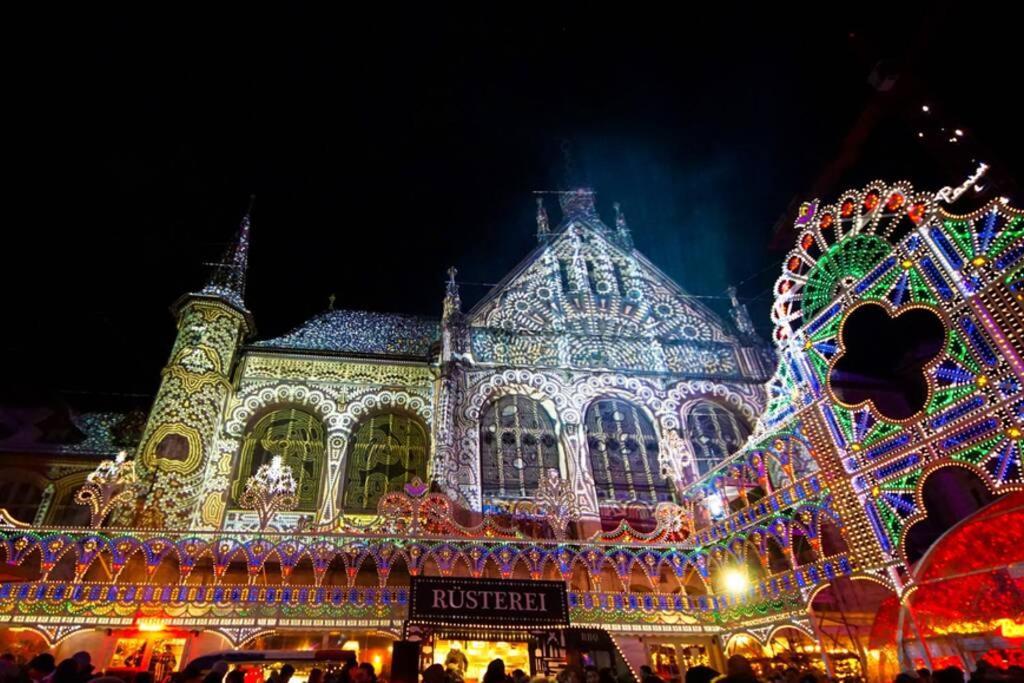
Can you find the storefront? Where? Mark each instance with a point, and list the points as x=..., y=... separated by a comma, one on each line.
x=464, y=624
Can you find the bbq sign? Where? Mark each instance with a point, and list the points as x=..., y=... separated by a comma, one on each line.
x=487, y=602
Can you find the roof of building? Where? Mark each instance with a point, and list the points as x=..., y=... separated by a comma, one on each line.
x=362, y=332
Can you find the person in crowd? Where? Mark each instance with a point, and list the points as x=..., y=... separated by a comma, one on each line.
x=83, y=662
x=647, y=675
x=434, y=674
x=364, y=673
x=570, y=674
x=217, y=672
x=606, y=675
x=236, y=675
x=191, y=674
x=144, y=677
x=66, y=672
x=738, y=670
x=496, y=672
x=701, y=674
x=590, y=674
x=519, y=676
x=287, y=671
x=540, y=678
x=924, y=675
x=906, y=677
x=345, y=675
x=41, y=667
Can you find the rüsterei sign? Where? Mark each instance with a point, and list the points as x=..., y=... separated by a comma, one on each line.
x=468, y=602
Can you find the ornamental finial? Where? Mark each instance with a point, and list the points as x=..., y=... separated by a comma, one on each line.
x=543, y=226
x=621, y=227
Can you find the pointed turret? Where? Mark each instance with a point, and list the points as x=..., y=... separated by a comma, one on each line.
x=454, y=340
x=178, y=444
x=226, y=282
x=227, y=278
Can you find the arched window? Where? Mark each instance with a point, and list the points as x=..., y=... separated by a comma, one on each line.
x=624, y=453
x=64, y=510
x=517, y=444
x=388, y=451
x=715, y=433
x=295, y=435
x=20, y=495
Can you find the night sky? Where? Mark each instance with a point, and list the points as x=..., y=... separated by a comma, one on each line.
x=383, y=147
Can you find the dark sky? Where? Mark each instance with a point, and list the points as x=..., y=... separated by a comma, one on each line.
x=385, y=146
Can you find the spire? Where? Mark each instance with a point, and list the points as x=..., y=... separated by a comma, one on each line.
x=452, y=300
x=454, y=334
x=227, y=280
x=625, y=237
x=543, y=227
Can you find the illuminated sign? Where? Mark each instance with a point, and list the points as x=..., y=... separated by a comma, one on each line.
x=487, y=602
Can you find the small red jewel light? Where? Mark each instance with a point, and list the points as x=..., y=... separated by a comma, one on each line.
x=916, y=212
x=826, y=220
x=895, y=202
x=846, y=210
x=871, y=201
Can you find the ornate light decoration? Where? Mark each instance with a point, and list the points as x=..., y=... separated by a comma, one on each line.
x=112, y=484
x=558, y=500
x=270, y=490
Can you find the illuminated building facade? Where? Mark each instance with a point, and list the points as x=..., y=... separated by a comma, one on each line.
x=586, y=423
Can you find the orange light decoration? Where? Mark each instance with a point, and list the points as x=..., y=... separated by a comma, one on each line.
x=150, y=624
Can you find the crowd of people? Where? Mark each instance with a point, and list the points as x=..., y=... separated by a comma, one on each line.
x=738, y=670
x=78, y=668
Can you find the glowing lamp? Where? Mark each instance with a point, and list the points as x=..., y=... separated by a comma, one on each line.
x=735, y=581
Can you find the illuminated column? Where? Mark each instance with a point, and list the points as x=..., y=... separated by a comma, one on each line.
x=179, y=438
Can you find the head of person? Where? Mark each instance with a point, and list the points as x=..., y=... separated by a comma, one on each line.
x=234, y=676
x=434, y=674
x=738, y=665
x=287, y=671
x=360, y=675
x=83, y=660
x=495, y=671
x=315, y=675
x=143, y=677
x=646, y=670
x=66, y=672
x=701, y=674
x=41, y=666
x=590, y=674
x=906, y=677
x=191, y=674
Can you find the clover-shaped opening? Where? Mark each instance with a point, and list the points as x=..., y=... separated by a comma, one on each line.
x=884, y=359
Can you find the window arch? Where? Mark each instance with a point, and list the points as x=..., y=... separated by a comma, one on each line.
x=518, y=443
x=295, y=435
x=388, y=450
x=624, y=453
x=714, y=433
x=21, y=494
